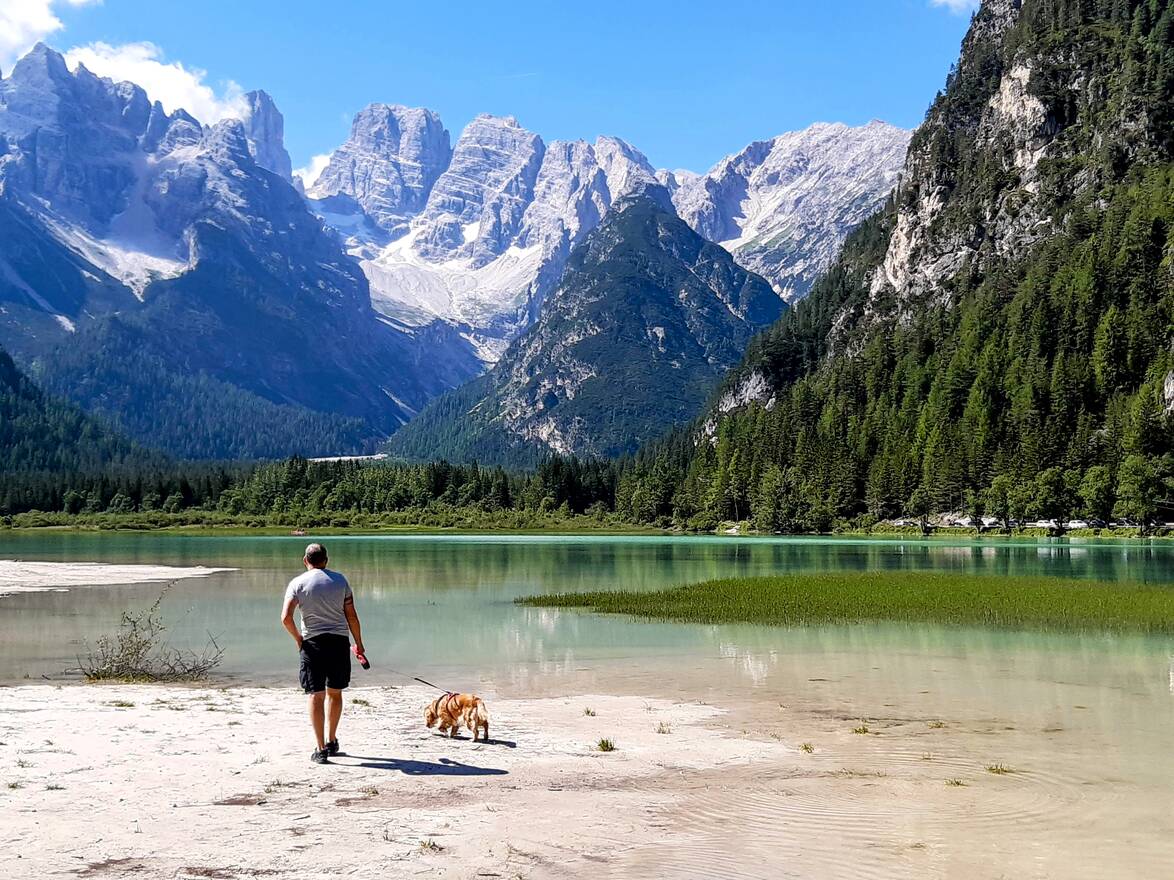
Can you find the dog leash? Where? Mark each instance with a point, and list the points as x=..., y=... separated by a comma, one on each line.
x=417, y=678
x=366, y=665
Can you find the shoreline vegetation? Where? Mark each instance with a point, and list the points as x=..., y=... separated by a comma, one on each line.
x=894, y=597
x=453, y=519
x=461, y=520
x=560, y=494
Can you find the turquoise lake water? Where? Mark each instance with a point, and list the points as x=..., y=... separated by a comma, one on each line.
x=443, y=604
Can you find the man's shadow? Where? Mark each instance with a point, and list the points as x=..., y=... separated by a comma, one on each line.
x=443, y=767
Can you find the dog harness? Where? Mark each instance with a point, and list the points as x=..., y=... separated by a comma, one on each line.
x=449, y=695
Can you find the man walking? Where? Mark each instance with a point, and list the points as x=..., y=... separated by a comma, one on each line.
x=328, y=616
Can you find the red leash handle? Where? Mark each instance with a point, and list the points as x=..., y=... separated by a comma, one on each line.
x=362, y=658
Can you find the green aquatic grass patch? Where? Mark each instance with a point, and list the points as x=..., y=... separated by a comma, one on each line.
x=904, y=597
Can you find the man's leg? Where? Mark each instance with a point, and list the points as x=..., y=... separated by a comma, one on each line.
x=334, y=705
x=318, y=716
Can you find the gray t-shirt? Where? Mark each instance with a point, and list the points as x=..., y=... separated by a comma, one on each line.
x=320, y=593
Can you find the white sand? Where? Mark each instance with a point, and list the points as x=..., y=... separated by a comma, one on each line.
x=169, y=782
x=18, y=576
x=218, y=783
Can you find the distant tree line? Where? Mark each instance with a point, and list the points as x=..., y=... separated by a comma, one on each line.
x=301, y=491
x=298, y=487
x=126, y=488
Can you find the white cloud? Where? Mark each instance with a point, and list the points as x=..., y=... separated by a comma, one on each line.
x=312, y=170
x=958, y=7
x=24, y=22
x=171, y=83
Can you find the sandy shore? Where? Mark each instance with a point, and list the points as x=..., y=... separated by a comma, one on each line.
x=152, y=782
x=17, y=576
x=170, y=782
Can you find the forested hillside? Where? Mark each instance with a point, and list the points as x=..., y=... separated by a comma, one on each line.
x=54, y=457
x=191, y=415
x=1000, y=337
x=38, y=433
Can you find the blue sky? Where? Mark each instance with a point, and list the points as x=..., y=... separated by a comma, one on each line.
x=686, y=82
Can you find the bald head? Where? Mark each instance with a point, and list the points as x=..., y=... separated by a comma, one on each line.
x=316, y=555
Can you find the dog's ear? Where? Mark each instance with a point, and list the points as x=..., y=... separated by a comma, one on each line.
x=429, y=715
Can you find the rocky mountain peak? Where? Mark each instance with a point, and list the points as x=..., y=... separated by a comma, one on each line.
x=228, y=142
x=265, y=130
x=627, y=169
x=142, y=250
x=570, y=197
x=41, y=65
x=995, y=17
x=388, y=165
x=642, y=192
x=166, y=132
x=476, y=207
x=480, y=234
x=1021, y=106
x=497, y=228
x=495, y=120
x=69, y=138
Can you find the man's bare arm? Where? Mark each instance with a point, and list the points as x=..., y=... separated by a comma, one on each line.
x=352, y=621
x=287, y=620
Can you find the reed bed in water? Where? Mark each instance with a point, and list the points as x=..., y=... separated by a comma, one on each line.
x=909, y=597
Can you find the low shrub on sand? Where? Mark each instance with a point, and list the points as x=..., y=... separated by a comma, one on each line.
x=139, y=652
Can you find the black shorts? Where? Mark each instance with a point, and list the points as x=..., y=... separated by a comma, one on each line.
x=326, y=663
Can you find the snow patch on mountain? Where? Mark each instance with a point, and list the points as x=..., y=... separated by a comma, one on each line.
x=478, y=234
x=415, y=291
x=136, y=263
x=81, y=154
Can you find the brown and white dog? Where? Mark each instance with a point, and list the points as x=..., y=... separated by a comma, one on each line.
x=451, y=711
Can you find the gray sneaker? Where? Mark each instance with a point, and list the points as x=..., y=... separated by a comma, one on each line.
x=332, y=748
x=319, y=756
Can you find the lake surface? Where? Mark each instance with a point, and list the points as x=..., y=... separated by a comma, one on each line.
x=443, y=604
x=1085, y=720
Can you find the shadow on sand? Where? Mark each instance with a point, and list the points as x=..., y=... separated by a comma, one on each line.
x=443, y=767
x=507, y=743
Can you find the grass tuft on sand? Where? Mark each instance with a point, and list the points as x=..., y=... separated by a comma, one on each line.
x=908, y=597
